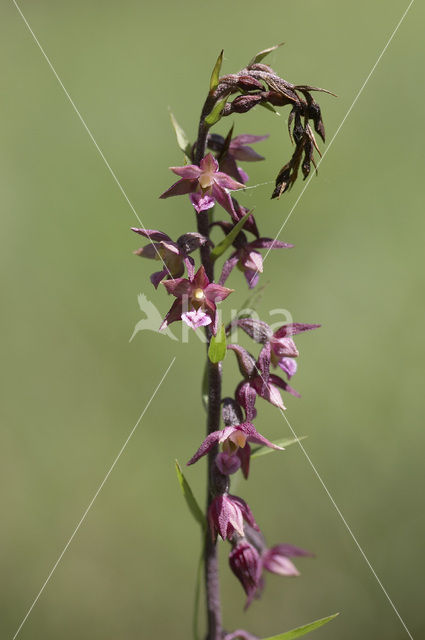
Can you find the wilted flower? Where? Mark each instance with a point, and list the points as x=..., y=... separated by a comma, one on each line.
x=174, y=255
x=226, y=514
x=235, y=445
x=244, y=561
x=196, y=300
x=205, y=183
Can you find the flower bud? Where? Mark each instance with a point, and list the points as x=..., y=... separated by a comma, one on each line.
x=244, y=561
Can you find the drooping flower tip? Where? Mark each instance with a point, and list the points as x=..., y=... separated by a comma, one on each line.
x=244, y=561
x=226, y=515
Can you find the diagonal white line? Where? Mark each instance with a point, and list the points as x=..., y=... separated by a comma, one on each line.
x=94, y=498
x=102, y=155
x=359, y=93
x=338, y=510
x=347, y=526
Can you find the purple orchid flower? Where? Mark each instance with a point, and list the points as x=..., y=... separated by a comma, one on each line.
x=236, y=450
x=174, y=255
x=245, y=562
x=196, y=300
x=277, y=559
x=206, y=184
x=258, y=381
x=238, y=150
x=226, y=515
x=279, y=346
x=247, y=257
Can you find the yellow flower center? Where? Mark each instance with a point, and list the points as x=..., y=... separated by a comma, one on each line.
x=199, y=295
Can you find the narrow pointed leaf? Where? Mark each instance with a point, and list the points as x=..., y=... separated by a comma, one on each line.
x=217, y=349
x=216, y=72
x=191, y=502
x=220, y=248
x=269, y=107
x=182, y=139
x=265, y=52
x=301, y=631
x=256, y=452
x=215, y=115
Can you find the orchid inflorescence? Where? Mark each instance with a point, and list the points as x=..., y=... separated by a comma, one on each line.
x=212, y=176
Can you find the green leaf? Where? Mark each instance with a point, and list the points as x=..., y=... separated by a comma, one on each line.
x=265, y=52
x=301, y=631
x=216, y=72
x=220, y=248
x=269, y=107
x=182, y=139
x=256, y=452
x=194, y=507
x=217, y=349
x=215, y=115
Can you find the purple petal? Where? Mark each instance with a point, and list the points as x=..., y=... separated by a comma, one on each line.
x=293, y=328
x=173, y=315
x=269, y=243
x=210, y=441
x=291, y=551
x=246, y=138
x=178, y=287
x=196, y=319
x=179, y=188
x=224, y=200
x=279, y=564
x=188, y=172
x=158, y=276
x=150, y=251
x=228, y=267
x=152, y=234
x=246, y=396
x=263, y=362
x=256, y=329
x=244, y=456
x=253, y=261
x=275, y=380
x=245, y=154
x=252, y=277
x=253, y=436
x=190, y=266
x=284, y=347
x=201, y=279
x=227, y=463
x=242, y=175
x=246, y=361
x=216, y=292
x=209, y=164
x=226, y=182
x=289, y=366
x=201, y=202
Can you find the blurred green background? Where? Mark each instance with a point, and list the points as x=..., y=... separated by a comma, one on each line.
x=73, y=385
